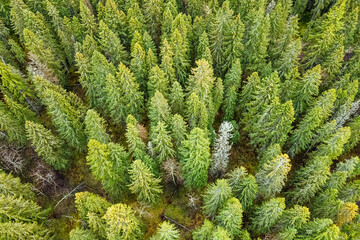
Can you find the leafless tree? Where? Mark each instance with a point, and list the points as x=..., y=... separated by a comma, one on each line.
x=172, y=171
x=11, y=159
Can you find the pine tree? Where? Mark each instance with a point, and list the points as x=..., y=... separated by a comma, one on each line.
x=313, y=119
x=195, y=159
x=230, y=216
x=267, y=214
x=309, y=180
x=112, y=45
x=138, y=65
x=244, y=186
x=95, y=127
x=109, y=163
x=220, y=156
x=166, y=231
x=204, y=232
x=216, y=196
x=306, y=89
x=157, y=82
x=176, y=98
x=143, y=183
x=272, y=175
x=161, y=139
x=178, y=129
x=46, y=145
x=159, y=110
x=122, y=223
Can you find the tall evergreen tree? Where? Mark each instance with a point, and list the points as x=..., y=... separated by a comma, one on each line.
x=178, y=129
x=319, y=229
x=195, y=159
x=176, y=98
x=138, y=65
x=166, y=231
x=232, y=84
x=143, y=182
x=95, y=127
x=161, y=139
x=216, y=196
x=157, y=82
x=230, y=216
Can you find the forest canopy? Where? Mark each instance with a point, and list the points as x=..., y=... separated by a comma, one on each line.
x=179, y=119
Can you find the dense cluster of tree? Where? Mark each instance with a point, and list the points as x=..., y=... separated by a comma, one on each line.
x=155, y=96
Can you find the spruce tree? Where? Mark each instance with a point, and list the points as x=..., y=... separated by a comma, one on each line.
x=220, y=234
x=272, y=175
x=178, y=129
x=135, y=144
x=204, y=232
x=267, y=214
x=161, y=139
x=244, y=186
x=87, y=18
x=138, y=65
x=347, y=212
x=294, y=217
x=167, y=62
x=80, y=233
x=95, y=127
x=157, y=82
x=195, y=159
x=203, y=49
x=232, y=84
x=153, y=10
x=355, y=134
x=143, y=183
x=319, y=229
x=46, y=145
x=230, y=216
x=216, y=196
x=176, y=98
x=313, y=119
x=221, y=152
x=109, y=163
x=122, y=223
x=166, y=231
x=326, y=204
x=112, y=45
x=351, y=191
x=159, y=110
x=179, y=48
x=15, y=131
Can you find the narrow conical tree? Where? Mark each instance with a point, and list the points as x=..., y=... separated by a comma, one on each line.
x=216, y=196
x=267, y=214
x=232, y=84
x=181, y=63
x=159, y=110
x=14, y=129
x=138, y=65
x=178, y=129
x=195, y=159
x=230, y=216
x=143, y=183
x=161, y=139
x=244, y=186
x=135, y=144
x=88, y=20
x=348, y=211
x=122, y=223
x=294, y=217
x=309, y=180
x=166, y=231
x=203, y=49
x=204, y=232
x=95, y=127
x=326, y=204
x=157, y=82
x=220, y=156
x=46, y=145
x=319, y=229
x=176, y=98
x=153, y=10
x=167, y=62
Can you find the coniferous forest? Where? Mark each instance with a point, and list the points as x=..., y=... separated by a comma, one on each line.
x=179, y=119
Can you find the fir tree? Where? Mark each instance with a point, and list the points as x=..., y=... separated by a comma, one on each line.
x=167, y=62
x=272, y=175
x=161, y=139
x=344, y=171
x=294, y=217
x=166, y=231
x=138, y=65
x=267, y=214
x=95, y=127
x=216, y=196
x=203, y=49
x=230, y=216
x=326, y=204
x=351, y=191
x=80, y=233
x=249, y=90
x=232, y=84
x=144, y=183
x=135, y=144
x=179, y=47
x=220, y=234
x=218, y=95
x=355, y=134
x=195, y=159
x=153, y=11
x=88, y=20
x=121, y=222
x=220, y=156
x=347, y=213
x=15, y=131
x=319, y=229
